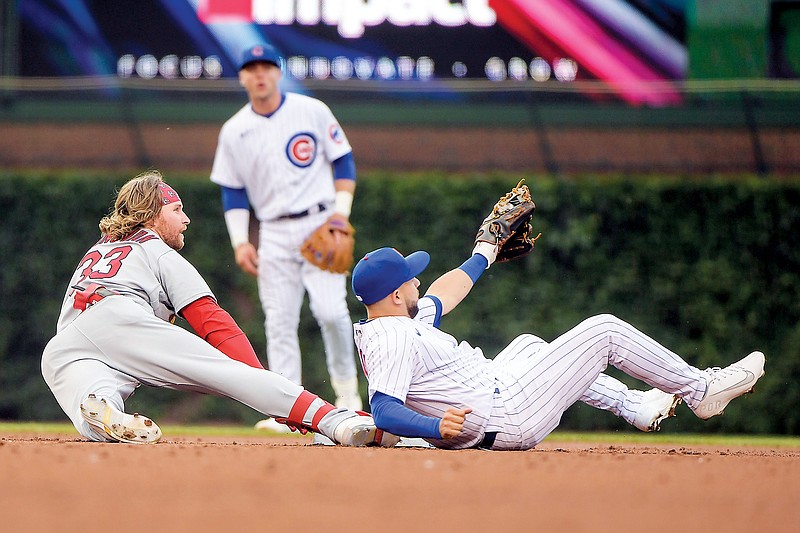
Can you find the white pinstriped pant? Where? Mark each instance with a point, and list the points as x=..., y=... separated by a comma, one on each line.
x=283, y=279
x=540, y=380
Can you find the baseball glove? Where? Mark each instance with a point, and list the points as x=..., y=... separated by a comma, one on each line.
x=508, y=226
x=330, y=246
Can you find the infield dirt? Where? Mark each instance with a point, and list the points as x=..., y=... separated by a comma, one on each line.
x=61, y=483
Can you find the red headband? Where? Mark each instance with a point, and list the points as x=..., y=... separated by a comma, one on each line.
x=168, y=194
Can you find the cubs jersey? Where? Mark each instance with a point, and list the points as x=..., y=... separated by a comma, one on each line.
x=283, y=160
x=427, y=369
x=142, y=267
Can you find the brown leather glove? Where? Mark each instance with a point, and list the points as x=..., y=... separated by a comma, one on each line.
x=330, y=246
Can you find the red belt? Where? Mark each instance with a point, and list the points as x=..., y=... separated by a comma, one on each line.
x=88, y=296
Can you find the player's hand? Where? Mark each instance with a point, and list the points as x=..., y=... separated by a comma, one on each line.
x=453, y=422
x=247, y=258
x=338, y=220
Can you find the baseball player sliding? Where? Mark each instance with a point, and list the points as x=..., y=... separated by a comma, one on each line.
x=287, y=156
x=116, y=332
x=424, y=383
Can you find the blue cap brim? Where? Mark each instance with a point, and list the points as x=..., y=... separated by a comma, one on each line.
x=418, y=262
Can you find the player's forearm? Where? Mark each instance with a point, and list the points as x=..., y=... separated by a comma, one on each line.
x=391, y=415
x=344, y=184
x=214, y=325
x=236, y=206
x=238, y=223
x=345, y=189
x=452, y=287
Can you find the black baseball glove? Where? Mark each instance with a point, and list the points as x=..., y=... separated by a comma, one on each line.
x=508, y=226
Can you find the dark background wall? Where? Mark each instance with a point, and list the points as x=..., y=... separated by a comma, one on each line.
x=747, y=130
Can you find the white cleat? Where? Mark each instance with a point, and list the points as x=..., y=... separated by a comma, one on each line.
x=351, y=401
x=270, y=424
x=322, y=440
x=360, y=430
x=385, y=439
x=119, y=426
x=656, y=406
x=725, y=384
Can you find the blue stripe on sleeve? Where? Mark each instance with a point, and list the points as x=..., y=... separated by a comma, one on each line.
x=234, y=198
x=438, y=304
x=344, y=168
x=391, y=415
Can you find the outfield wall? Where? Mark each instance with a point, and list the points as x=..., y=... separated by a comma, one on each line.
x=725, y=127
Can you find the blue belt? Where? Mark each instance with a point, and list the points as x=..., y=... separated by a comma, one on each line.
x=488, y=440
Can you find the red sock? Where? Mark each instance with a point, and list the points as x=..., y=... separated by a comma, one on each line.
x=301, y=406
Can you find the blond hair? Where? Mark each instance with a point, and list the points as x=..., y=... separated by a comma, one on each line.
x=138, y=202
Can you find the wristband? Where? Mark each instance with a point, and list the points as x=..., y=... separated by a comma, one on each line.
x=238, y=240
x=489, y=251
x=238, y=223
x=475, y=266
x=343, y=203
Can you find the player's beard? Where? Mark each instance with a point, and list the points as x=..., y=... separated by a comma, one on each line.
x=412, y=309
x=173, y=239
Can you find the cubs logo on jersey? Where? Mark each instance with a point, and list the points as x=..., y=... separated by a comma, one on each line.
x=302, y=149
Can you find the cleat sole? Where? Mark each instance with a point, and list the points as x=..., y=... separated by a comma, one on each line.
x=119, y=426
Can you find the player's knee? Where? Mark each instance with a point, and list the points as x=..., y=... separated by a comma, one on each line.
x=606, y=320
x=527, y=338
x=278, y=322
x=334, y=325
x=330, y=317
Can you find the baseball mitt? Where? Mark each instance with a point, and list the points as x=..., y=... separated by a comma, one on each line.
x=330, y=246
x=508, y=226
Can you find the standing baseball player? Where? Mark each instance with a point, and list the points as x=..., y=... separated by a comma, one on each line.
x=287, y=156
x=424, y=383
x=116, y=332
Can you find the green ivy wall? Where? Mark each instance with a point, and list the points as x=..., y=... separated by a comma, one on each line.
x=710, y=267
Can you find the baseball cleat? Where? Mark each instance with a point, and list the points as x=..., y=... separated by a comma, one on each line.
x=322, y=440
x=725, y=384
x=656, y=406
x=119, y=426
x=384, y=439
x=360, y=430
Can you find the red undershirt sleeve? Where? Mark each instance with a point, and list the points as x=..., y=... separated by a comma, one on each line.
x=214, y=325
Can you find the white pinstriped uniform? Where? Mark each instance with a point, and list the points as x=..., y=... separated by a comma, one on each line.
x=284, y=163
x=123, y=341
x=522, y=393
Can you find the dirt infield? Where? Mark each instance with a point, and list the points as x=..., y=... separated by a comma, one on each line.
x=60, y=483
